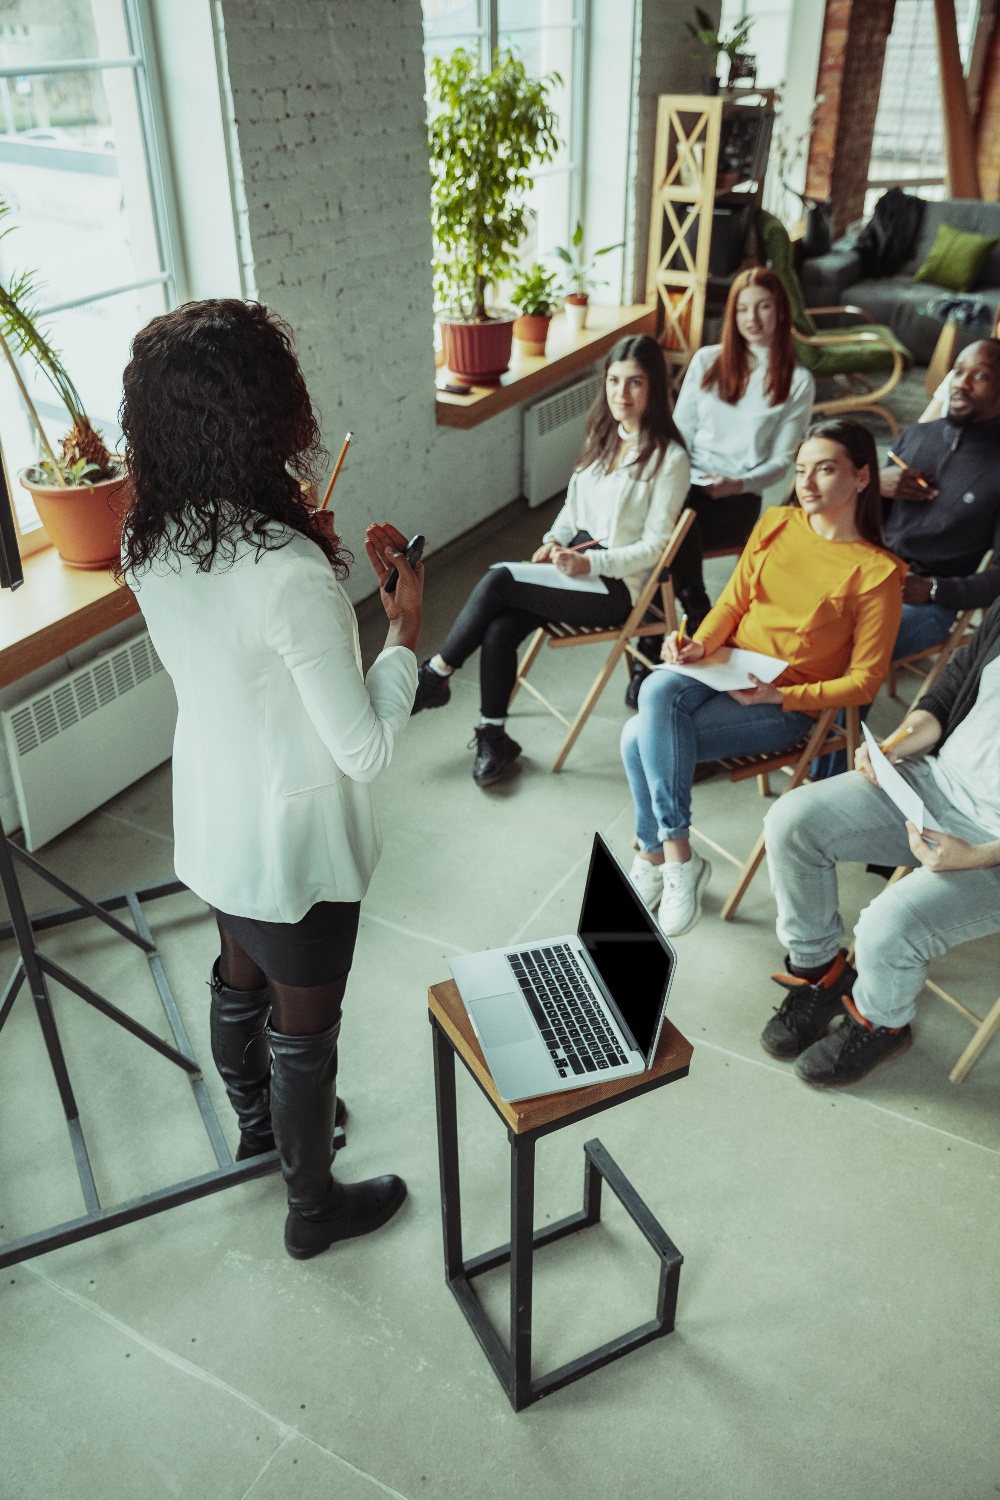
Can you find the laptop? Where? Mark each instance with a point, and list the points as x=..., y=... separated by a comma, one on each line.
x=588, y=1007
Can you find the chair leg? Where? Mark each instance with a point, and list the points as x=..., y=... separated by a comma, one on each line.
x=980, y=1041
x=764, y=784
x=890, y=681
x=586, y=707
x=852, y=731
x=526, y=662
x=747, y=874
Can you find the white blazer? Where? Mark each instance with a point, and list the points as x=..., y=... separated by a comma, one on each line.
x=278, y=735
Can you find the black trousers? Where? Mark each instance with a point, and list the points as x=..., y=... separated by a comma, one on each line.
x=720, y=524
x=500, y=613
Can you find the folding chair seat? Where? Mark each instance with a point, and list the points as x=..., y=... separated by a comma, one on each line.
x=984, y=1027
x=826, y=736
x=647, y=618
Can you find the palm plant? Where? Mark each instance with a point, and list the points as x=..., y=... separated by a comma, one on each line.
x=486, y=133
x=578, y=278
x=84, y=457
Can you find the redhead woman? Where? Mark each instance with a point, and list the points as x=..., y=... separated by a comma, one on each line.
x=623, y=500
x=742, y=411
x=279, y=737
x=815, y=588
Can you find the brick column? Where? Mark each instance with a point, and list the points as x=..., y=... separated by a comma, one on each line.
x=850, y=78
x=987, y=129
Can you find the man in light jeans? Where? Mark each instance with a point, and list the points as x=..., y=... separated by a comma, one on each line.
x=951, y=757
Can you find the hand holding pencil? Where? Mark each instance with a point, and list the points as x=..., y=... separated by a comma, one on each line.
x=907, y=484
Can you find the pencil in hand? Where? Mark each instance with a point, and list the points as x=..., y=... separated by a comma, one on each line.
x=680, y=631
x=895, y=739
x=581, y=546
x=907, y=470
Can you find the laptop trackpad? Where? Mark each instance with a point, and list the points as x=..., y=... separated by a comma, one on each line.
x=502, y=1019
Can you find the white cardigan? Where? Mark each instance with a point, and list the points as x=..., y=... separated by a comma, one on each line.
x=631, y=516
x=278, y=735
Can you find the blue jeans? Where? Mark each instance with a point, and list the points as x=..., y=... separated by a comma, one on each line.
x=922, y=625
x=680, y=722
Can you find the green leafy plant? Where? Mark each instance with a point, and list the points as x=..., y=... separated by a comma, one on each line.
x=534, y=294
x=487, y=131
x=83, y=458
x=712, y=41
x=578, y=277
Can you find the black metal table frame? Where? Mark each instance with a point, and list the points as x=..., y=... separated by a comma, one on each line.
x=513, y=1368
x=36, y=968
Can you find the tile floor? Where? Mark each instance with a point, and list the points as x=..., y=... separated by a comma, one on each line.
x=837, y=1326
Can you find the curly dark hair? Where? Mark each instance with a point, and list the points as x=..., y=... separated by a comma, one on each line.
x=221, y=439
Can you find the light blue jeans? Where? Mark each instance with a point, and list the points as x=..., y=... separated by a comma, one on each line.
x=809, y=830
x=680, y=722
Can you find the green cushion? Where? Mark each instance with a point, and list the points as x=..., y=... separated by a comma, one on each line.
x=860, y=358
x=776, y=252
x=955, y=259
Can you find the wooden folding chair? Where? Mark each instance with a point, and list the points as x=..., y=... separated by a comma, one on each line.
x=826, y=736
x=663, y=618
x=984, y=1027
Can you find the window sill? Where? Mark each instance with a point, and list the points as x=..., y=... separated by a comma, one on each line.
x=55, y=610
x=531, y=375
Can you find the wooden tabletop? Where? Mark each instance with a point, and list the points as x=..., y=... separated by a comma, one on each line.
x=530, y=375
x=56, y=609
x=673, y=1057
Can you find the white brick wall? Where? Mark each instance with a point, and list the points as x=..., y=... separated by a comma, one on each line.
x=330, y=121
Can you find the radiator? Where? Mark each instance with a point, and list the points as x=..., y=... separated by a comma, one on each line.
x=88, y=736
x=553, y=438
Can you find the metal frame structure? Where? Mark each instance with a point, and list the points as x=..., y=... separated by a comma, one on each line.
x=36, y=969
x=513, y=1368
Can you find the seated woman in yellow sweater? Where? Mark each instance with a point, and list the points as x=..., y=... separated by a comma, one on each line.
x=815, y=588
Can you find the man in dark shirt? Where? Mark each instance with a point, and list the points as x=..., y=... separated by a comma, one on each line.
x=943, y=509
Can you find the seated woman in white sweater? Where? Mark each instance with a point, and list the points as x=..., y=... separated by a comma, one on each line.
x=742, y=411
x=621, y=506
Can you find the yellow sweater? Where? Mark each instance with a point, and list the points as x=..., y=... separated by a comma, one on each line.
x=830, y=609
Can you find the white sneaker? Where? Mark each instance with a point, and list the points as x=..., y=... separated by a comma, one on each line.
x=683, y=887
x=648, y=881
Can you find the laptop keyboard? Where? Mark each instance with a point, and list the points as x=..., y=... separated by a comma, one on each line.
x=575, y=1031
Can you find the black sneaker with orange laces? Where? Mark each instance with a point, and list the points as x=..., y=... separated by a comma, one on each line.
x=852, y=1051
x=807, y=1009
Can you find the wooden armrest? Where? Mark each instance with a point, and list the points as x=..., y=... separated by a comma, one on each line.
x=827, y=340
x=848, y=307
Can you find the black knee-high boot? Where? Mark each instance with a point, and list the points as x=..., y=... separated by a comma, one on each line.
x=303, y=1107
x=242, y=1055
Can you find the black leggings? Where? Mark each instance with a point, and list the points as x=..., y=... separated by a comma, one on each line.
x=500, y=613
x=720, y=524
x=315, y=954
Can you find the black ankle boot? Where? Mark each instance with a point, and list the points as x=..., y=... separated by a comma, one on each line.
x=303, y=1109
x=639, y=674
x=496, y=752
x=238, y=1022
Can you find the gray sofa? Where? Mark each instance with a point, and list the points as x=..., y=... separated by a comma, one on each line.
x=833, y=279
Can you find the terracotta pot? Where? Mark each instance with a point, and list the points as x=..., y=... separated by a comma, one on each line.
x=531, y=330
x=83, y=521
x=479, y=353
x=576, y=311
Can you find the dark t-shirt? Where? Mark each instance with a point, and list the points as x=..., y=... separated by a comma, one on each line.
x=947, y=538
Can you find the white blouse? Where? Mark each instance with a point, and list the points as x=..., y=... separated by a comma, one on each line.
x=752, y=440
x=629, y=513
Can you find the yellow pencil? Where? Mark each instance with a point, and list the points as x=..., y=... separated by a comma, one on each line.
x=681, y=630
x=894, y=739
x=907, y=470
x=336, y=471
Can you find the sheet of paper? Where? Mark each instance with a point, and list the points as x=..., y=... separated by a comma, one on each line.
x=547, y=576
x=728, y=669
x=892, y=783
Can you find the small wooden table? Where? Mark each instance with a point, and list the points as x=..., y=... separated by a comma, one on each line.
x=526, y=1121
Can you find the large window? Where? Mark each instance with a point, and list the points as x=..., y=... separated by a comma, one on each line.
x=908, y=147
x=76, y=151
x=549, y=36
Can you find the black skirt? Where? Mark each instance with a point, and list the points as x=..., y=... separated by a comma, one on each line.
x=316, y=950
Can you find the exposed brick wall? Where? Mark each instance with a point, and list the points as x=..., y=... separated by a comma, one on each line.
x=329, y=113
x=850, y=77
x=987, y=125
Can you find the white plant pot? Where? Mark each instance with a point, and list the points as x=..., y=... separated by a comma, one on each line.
x=576, y=316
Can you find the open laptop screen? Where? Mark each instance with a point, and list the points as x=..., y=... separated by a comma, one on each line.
x=627, y=947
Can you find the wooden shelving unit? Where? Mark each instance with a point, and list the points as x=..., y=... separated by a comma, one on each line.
x=707, y=147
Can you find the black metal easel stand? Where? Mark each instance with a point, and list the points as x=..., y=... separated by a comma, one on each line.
x=34, y=967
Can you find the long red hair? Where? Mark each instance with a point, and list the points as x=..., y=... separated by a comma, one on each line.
x=730, y=370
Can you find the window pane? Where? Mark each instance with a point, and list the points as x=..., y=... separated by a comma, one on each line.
x=446, y=17
x=44, y=31
x=544, y=52
x=528, y=13
x=549, y=225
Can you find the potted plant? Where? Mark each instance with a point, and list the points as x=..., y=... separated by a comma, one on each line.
x=81, y=494
x=711, y=41
x=577, y=281
x=534, y=296
x=487, y=131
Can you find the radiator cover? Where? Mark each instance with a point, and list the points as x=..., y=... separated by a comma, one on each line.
x=553, y=438
x=88, y=736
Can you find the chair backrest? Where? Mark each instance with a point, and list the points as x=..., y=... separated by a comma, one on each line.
x=683, y=525
x=776, y=248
